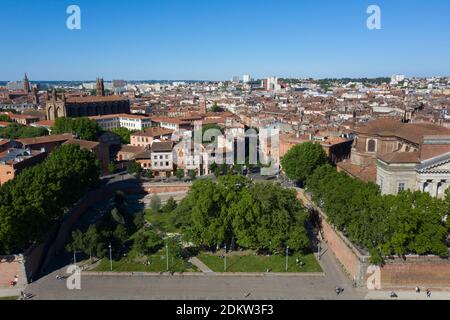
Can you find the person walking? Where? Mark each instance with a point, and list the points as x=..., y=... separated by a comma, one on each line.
x=428, y=293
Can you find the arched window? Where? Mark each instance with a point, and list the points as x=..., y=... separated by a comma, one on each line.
x=371, y=146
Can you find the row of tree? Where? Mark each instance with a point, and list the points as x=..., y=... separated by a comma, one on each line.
x=33, y=202
x=17, y=131
x=407, y=223
x=232, y=210
x=84, y=128
x=113, y=228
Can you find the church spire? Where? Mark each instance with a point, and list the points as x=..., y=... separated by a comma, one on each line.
x=26, y=84
x=100, y=87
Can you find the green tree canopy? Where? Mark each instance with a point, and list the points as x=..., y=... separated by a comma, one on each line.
x=261, y=216
x=407, y=223
x=17, y=131
x=33, y=202
x=155, y=203
x=84, y=128
x=301, y=160
x=123, y=133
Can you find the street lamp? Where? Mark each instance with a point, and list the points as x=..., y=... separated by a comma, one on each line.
x=167, y=256
x=287, y=257
x=110, y=256
x=225, y=259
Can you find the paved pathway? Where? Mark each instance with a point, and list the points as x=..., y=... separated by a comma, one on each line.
x=199, y=264
x=407, y=295
x=13, y=292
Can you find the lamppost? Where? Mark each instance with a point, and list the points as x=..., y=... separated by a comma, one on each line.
x=110, y=256
x=74, y=257
x=287, y=257
x=225, y=259
x=318, y=251
x=167, y=256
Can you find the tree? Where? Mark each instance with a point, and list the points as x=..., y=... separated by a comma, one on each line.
x=91, y=242
x=147, y=242
x=17, y=131
x=111, y=167
x=213, y=130
x=5, y=118
x=179, y=173
x=33, y=202
x=155, y=203
x=301, y=160
x=139, y=220
x=84, y=128
x=192, y=174
x=407, y=223
x=123, y=133
x=77, y=244
x=216, y=108
x=121, y=233
x=134, y=167
x=149, y=174
x=262, y=216
x=170, y=206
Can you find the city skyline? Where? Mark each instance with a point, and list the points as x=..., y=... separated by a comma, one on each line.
x=213, y=41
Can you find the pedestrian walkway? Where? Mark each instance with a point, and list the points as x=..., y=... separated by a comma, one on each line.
x=199, y=264
x=407, y=295
x=13, y=292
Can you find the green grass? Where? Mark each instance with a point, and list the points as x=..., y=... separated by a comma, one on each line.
x=9, y=298
x=158, y=264
x=260, y=263
x=161, y=221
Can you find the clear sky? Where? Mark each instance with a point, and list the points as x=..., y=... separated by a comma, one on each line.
x=217, y=39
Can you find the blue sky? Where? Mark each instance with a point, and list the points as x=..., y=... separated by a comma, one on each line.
x=216, y=39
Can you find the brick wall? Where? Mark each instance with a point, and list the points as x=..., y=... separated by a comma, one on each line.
x=431, y=272
x=423, y=271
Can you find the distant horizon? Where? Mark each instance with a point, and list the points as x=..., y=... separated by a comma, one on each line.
x=223, y=80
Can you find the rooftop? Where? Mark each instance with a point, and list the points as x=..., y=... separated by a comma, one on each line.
x=16, y=155
x=91, y=99
x=153, y=132
x=84, y=144
x=45, y=139
x=165, y=146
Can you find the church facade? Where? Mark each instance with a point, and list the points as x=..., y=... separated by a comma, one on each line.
x=85, y=106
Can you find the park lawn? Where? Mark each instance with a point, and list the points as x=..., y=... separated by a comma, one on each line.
x=161, y=221
x=9, y=298
x=260, y=263
x=158, y=264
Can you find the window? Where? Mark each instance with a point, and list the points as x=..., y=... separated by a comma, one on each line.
x=161, y=164
x=167, y=163
x=167, y=157
x=160, y=157
x=371, y=145
x=401, y=187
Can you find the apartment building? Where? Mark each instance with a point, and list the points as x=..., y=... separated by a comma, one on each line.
x=147, y=137
x=162, y=158
x=14, y=160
